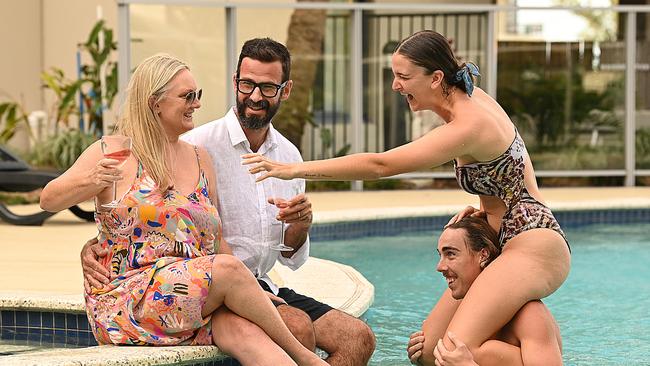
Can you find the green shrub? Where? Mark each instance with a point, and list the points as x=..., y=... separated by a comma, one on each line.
x=62, y=150
x=643, y=148
x=578, y=158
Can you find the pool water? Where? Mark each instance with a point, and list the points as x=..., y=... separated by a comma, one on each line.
x=603, y=309
x=15, y=347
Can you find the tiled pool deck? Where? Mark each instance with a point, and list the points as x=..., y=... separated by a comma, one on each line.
x=40, y=267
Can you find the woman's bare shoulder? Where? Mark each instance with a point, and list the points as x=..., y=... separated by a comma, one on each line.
x=205, y=158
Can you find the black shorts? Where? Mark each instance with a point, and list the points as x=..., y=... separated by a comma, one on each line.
x=314, y=308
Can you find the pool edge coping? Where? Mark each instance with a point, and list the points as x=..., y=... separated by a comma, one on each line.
x=370, y=214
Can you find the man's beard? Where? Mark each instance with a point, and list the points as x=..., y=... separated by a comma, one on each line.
x=256, y=122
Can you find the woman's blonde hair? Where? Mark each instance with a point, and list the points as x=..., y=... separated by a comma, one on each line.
x=138, y=120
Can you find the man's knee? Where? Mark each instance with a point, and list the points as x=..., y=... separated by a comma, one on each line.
x=300, y=325
x=345, y=337
x=361, y=334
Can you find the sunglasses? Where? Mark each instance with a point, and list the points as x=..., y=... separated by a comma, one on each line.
x=193, y=96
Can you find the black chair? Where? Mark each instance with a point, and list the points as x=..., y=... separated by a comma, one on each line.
x=17, y=176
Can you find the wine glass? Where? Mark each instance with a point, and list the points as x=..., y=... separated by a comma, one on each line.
x=118, y=148
x=281, y=196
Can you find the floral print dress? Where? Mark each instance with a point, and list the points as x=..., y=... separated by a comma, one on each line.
x=161, y=248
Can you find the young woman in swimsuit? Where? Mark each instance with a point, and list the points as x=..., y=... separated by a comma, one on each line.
x=491, y=161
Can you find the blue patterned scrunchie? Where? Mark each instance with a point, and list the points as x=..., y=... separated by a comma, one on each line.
x=464, y=75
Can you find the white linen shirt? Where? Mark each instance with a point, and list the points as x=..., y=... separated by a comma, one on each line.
x=248, y=220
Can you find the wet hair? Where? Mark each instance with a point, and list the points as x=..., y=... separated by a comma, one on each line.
x=266, y=50
x=480, y=235
x=431, y=51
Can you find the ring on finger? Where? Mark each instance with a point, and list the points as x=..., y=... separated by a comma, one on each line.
x=298, y=214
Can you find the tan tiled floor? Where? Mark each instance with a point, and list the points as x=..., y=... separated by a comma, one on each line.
x=46, y=258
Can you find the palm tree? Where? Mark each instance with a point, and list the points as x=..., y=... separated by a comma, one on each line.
x=305, y=42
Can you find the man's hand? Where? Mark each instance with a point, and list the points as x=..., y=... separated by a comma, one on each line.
x=460, y=356
x=415, y=346
x=275, y=298
x=95, y=275
x=298, y=210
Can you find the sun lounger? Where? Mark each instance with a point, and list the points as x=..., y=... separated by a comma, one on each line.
x=17, y=176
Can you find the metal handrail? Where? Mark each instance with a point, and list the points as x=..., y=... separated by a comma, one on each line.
x=630, y=172
x=383, y=6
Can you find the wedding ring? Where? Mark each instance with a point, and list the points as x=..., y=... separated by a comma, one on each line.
x=298, y=214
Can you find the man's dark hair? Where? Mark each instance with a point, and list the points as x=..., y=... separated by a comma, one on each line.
x=480, y=235
x=266, y=50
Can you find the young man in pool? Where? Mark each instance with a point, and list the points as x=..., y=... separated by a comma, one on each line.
x=532, y=337
x=261, y=83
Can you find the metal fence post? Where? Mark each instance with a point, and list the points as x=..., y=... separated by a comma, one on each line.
x=491, y=50
x=630, y=98
x=356, y=73
x=231, y=52
x=124, y=50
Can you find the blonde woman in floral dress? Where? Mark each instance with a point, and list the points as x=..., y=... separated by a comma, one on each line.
x=171, y=281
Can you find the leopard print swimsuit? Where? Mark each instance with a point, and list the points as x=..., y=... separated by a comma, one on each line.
x=503, y=177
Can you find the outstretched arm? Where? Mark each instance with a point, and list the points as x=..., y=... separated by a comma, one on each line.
x=433, y=149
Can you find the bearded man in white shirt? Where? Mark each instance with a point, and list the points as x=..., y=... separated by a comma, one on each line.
x=251, y=223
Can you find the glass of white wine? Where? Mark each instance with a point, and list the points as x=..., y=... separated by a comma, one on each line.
x=283, y=191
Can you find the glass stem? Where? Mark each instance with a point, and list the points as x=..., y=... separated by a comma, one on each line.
x=115, y=192
x=282, y=233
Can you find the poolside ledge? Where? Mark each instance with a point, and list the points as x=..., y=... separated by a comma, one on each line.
x=336, y=284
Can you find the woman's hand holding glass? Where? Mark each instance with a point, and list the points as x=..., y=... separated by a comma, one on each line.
x=105, y=173
x=116, y=150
